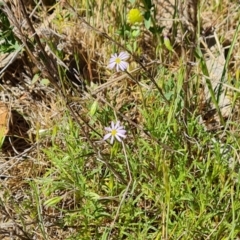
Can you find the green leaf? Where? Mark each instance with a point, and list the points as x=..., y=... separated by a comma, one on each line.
x=52, y=201
x=92, y=195
x=35, y=78
x=129, y=47
x=136, y=33
x=93, y=108
x=45, y=82
x=132, y=1
x=147, y=23
x=167, y=44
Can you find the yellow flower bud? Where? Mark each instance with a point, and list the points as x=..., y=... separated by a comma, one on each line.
x=135, y=16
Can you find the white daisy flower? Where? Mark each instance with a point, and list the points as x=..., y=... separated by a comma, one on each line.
x=115, y=131
x=118, y=61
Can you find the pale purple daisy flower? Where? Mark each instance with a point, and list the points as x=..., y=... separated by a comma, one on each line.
x=118, y=61
x=115, y=131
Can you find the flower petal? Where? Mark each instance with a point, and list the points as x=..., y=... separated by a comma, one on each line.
x=112, y=125
x=118, y=138
x=108, y=129
x=111, y=65
x=121, y=135
x=108, y=135
x=123, y=55
x=112, y=139
x=114, y=55
x=117, y=68
x=123, y=65
x=117, y=124
x=121, y=131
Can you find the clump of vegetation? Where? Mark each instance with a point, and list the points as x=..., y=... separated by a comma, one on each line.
x=114, y=124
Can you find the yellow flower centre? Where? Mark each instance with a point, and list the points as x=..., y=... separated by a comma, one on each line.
x=118, y=60
x=114, y=132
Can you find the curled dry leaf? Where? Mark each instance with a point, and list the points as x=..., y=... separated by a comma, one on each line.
x=4, y=119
